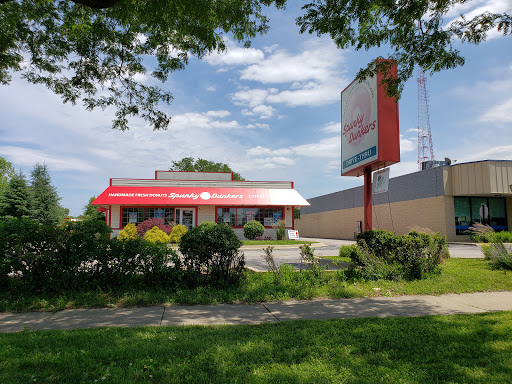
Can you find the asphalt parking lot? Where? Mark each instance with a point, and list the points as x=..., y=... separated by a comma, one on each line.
x=329, y=247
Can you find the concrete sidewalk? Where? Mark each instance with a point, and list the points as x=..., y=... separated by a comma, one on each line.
x=234, y=314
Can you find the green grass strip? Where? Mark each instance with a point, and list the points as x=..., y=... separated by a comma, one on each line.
x=431, y=349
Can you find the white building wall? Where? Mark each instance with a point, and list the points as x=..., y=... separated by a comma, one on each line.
x=205, y=213
x=288, y=215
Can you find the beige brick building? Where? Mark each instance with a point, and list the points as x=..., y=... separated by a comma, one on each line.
x=446, y=199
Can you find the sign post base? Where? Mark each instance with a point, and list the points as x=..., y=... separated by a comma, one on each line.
x=367, y=199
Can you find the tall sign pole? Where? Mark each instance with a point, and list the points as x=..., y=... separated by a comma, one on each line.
x=367, y=211
x=370, y=137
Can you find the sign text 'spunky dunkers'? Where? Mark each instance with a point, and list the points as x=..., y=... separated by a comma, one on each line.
x=355, y=129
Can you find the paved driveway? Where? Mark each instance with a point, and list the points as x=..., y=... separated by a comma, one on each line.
x=330, y=247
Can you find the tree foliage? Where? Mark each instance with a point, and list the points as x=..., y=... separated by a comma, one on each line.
x=45, y=199
x=96, y=52
x=16, y=199
x=6, y=172
x=92, y=51
x=188, y=164
x=91, y=211
x=416, y=32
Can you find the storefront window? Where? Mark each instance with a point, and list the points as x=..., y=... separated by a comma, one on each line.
x=138, y=215
x=238, y=217
x=485, y=210
x=226, y=215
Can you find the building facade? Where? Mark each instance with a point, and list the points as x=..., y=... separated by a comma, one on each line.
x=190, y=198
x=445, y=199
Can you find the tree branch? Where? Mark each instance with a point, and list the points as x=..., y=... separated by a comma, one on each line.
x=96, y=4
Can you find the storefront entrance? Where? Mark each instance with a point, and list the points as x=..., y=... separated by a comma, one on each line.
x=186, y=217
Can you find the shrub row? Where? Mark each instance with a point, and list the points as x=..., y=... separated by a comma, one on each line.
x=82, y=256
x=382, y=255
x=153, y=230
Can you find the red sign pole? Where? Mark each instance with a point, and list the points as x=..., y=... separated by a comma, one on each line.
x=367, y=199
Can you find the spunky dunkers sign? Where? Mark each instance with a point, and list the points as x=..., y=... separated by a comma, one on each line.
x=369, y=127
x=169, y=196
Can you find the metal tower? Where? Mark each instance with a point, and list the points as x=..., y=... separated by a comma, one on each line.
x=425, y=146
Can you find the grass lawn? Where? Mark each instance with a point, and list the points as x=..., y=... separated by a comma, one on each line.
x=431, y=349
x=458, y=276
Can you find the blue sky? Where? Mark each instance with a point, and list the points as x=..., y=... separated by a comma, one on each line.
x=272, y=112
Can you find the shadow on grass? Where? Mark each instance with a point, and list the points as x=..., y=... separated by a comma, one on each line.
x=457, y=349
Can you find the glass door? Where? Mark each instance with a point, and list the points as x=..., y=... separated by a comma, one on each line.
x=185, y=216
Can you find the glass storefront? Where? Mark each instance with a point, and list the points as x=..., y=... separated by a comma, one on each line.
x=171, y=216
x=238, y=217
x=485, y=210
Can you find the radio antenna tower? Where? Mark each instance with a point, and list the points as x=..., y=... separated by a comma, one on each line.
x=425, y=146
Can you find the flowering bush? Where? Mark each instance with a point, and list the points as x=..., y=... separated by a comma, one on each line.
x=177, y=232
x=156, y=235
x=146, y=225
x=129, y=232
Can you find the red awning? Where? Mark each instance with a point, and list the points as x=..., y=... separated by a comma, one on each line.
x=123, y=195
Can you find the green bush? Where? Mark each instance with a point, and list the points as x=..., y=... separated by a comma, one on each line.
x=499, y=237
x=346, y=250
x=382, y=255
x=81, y=256
x=253, y=229
x=129, y=232
x=177, y=232
x=210, y=254
x=498, y=254
x=156, y=235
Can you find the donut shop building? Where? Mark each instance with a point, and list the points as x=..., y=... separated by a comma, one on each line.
x=189, y=198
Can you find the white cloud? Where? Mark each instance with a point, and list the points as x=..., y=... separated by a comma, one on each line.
x=261, y=151
x=407, y=145
x=501, y=113
x=312, y=76
x=258, y=126
x=501, y=152
x=220, y=114
x=325, y=148
x=332, y=127
x=235, y=55
x=28, y=157
x=265, y=111
x=250, y=97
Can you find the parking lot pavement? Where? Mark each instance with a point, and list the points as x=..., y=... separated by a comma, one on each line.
x=330, y=247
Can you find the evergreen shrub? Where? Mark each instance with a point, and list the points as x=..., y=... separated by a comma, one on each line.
x=177, y=232
x=129, y=232
x=81, y=256
x=210, y=254
x=382, y=255
x=156, y=235
x=253, y=229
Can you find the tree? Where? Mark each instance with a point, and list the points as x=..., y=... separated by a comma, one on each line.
x=188, y=164
x=92, y=51
x=414, y=30
x=16, y=199
x=91, y=211
x=45, y=199
x=6, y=172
